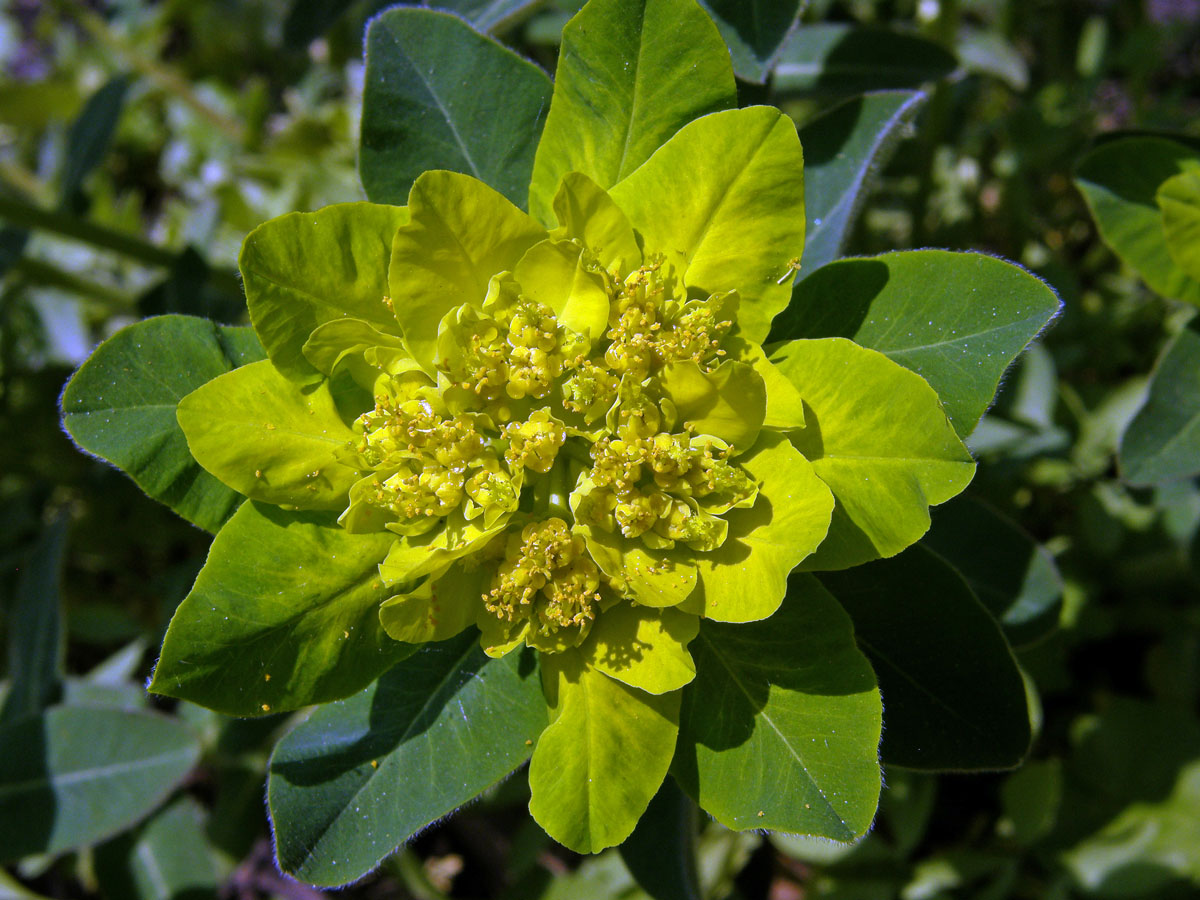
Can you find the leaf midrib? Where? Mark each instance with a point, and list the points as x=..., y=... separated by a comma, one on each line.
x=462, y=146
x=766, y=718
x=93, y=773
x=388, y=760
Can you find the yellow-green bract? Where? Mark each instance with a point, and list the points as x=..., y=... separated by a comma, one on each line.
x=572, y=433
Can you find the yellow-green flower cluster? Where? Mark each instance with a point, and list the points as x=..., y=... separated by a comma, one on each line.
x=556, y=428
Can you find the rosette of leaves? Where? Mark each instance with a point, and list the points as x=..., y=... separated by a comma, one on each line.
x=530, y=484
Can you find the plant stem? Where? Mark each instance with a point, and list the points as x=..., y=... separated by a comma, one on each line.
x=26, y=215
x=39, y=272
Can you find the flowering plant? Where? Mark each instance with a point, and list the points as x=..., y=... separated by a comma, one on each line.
x=548, y=484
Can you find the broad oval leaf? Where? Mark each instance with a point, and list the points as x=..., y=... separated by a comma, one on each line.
x=270, y=438
x=284, y=613
x=724, y=201
x=603, y=756
x=74, y=776
x=1011, y=574
x=168, y=858
x=630, y=74
x=956, y=319
x=1120, y=181
x=304, y=269
x=844, y=59
x=954, y=696
x=877, y=436
x=121, y=403
x=843, y=148
x=439, y=95
x=755, y=31
x=1162, y=443
x=780, y=729
x=362, y=776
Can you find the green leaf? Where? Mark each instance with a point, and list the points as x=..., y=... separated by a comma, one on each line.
x=36, y=645
x=844, y=59
x=780, y=729
x=642, y=647
x=630, y=74
x=90, y=136
x=1162, y=443
x=362, y=776
x=168, y=858
x=120, y=405
x=439, y=95
x=1011, y=574
x=724, y=201
x=461, y=233
x=603, y=757
x=1120, y=180
x=1179, y=199
x=304, y=269
x=661, y=852
x=1145, y=850
x=956, y=319
x=269, y=438
x=876, y=434
x=1032, y=798
x=74, y=776
x=1132, y=828
x=283, y=614
x=745, y=578
x=843, y=149
x=954, y=696
x=755, y=31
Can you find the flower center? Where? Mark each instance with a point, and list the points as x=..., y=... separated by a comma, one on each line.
x=546, y=578
x=527, y=411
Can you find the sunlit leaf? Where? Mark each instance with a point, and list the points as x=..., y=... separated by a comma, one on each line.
x=1120, y=180
x=603, y=756
x=723, y=200
x=304, y=269
x=121, y=406
x=630, y=74
x=956, y=319
x=283, y=614
x=876, y=434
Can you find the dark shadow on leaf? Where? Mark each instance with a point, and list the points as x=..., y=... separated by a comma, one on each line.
x=833, y=301
x=403, y=704
x=806, y=647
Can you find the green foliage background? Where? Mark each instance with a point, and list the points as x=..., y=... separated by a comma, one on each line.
x=140, y=142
